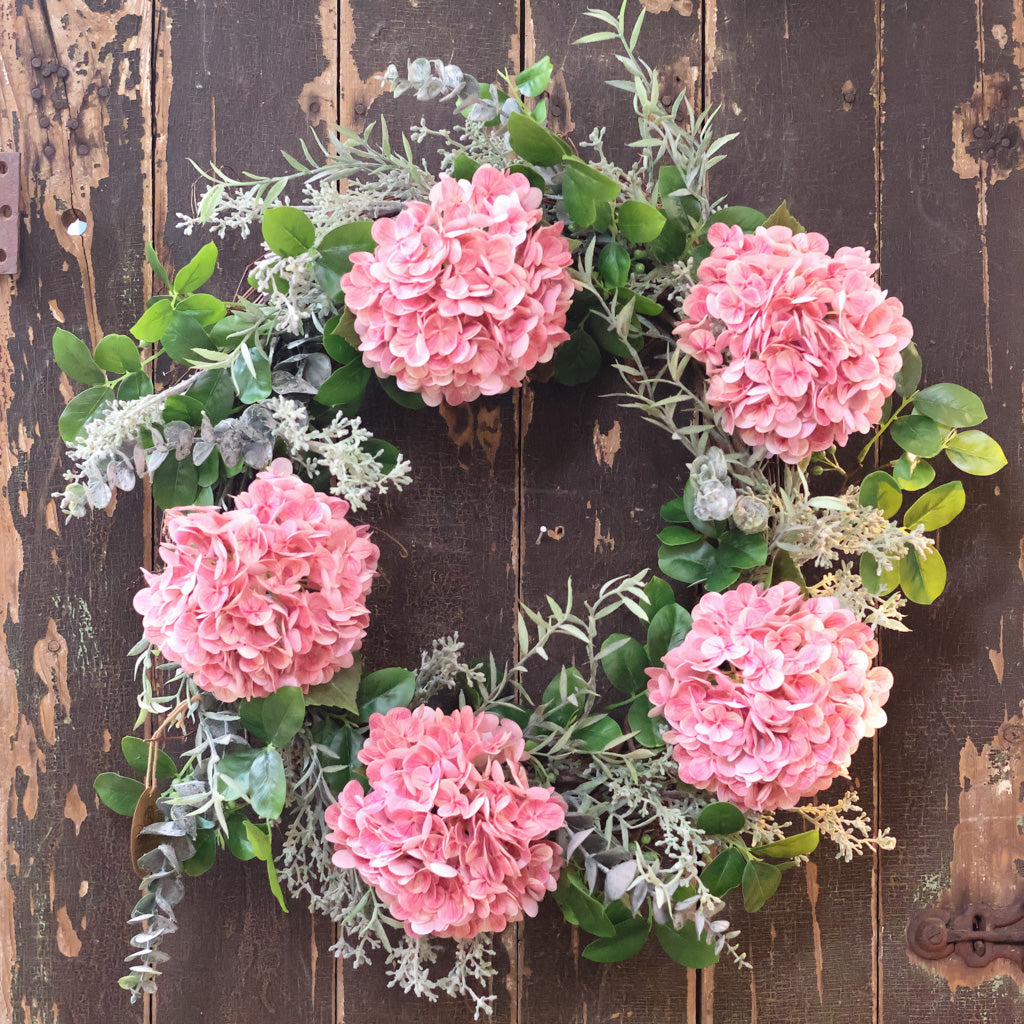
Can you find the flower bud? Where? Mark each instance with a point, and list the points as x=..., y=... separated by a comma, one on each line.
x=750, y=514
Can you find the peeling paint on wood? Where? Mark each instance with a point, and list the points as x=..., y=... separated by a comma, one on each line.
x=74, y=808
x=68, y=941
x=606, y=446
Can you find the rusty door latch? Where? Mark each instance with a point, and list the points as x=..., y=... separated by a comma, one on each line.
x=9, y=184
x=978, y=935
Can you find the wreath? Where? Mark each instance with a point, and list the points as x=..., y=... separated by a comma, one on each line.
x=665, y=765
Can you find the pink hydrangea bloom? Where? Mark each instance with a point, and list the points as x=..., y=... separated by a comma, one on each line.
x=800, y=347
x=769, y=694
x=451, y=833
x=271, y=593
x=464, y=294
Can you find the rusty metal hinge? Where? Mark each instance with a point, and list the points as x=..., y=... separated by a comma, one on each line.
x=9, y=187
x=977, y=935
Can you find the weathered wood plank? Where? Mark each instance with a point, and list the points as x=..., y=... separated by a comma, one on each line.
x=235, y=87
x=797, y=82
x=600, y=474
x=66, y=888
x=950, y=231
x=448, y=560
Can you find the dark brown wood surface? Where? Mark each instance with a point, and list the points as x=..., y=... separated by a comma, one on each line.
x=863, y=113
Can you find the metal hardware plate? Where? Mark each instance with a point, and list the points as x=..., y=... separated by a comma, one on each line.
x=9, y=218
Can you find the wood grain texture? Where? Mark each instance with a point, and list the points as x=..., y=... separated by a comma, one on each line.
x=66, y=889
x=797, y=82
x=599, y=474
x=951, y=249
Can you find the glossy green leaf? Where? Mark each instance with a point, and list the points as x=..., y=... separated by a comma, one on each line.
x=685, y=946
x=725, y=872
x=157, y=266
x=951, y=405
x=675, y=511
x=883, y=492
x=974, y=452
x=183, y=337
x=689, y=563
x=341, y=342
x=640, y=222
x=908, y=377
x=238, y=838
x=583, y=187
x=783, y=568
x=119, y=354
x=912, y=473
x=118, y=792
x=197, y=271
x=937, y=507
x=263, y=850
x=657, y=594
x=287, y=231
x=739, y=550
x=340, y=690
x=215, y=393
x=760, y=881
x=175, y=483
x=613, y=265
x=682, y=210
x=346, y=386
x=206, y=853
x=720, y=819
x=629, y=938
x=252, y=386
x=922, y=578
x=383, y=690
x=264, y=781
x=919, y=435
x=406, y=399
x=743, y=216
x=782, y=217
x=577, y=360
x=135, y=385
x=227, y=333
x=464, y=167
x=581, y=909
x=648, y=730
x=207, y=309
x=667, y=630
x=803, y=844
x=136, y=753
x=876, y=581
x=532, y=81
x=625, y=663
x=150, y=327
x=275, y=718
x=599, y=735
x=676, y=535
x=80, y=410
x=72, y=355
x=565, y=696
x=534, y=143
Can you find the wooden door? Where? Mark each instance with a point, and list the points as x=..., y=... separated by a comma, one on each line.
x=881, y=121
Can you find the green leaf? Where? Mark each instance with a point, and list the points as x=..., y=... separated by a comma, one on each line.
x=119, y=793
x=355, y=234
x=238, y=838
x=565, y=695
x=803, y=844
x=640, y=222
x=709, y=529
x=739, y=550
x=673, y=536
x=72, y=355
x=689, y=563
x=919, y=435
x=583, y=187
x=335, y=255
x=346, y=386
x=579, y=908
x=675, y=511
x=263, y=850
x=532, y=81
x=936, y=508
x=150, y=327
x=883, y=492
x=208, y=309
x=287, y=231
x=136, y=753
x=648, y=730
x=781, y=216
x=599, y=735
x=950, y=405
x=406, y=399
x=577, y=360
x=685, y=947
x=338, y=747
x=875, y=581
x=464, y=167
x=922, y=578
x=720, y=819
x=276, y=718
x=629, y=938
x=175, y=483
x=135, y=385
x=206, y=853
x=183, y=407
x=383, y=690
x=157, y=266
x=974, y=452
x=265, y=784
x=666, y=631
x=183, y=334
x=252, y=387
x=912, y=473
x=624, y=666
x=759, y=884
x=214, y=391
x=725, y=872
x=535, y=143
x=227, y=333
x=613, y=265
x=657, y=594
x=119, y=354
x=341, y=342
x=197, y=271
x=339, y=691
x=743, y=216
x=908, y=377
x=784, y=568
x=681, y=210
x=80, y=410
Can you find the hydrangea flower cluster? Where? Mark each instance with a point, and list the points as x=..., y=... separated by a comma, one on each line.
x=769, y=694
x=465, y=294
x=451, y=833
x=800, y=347
x=271, y=593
